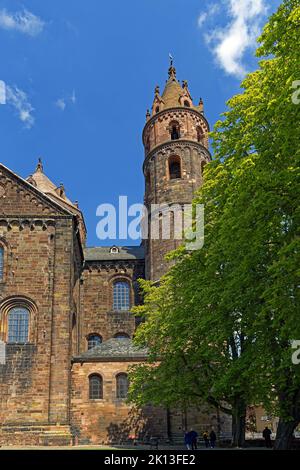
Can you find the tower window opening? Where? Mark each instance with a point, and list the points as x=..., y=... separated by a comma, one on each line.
x=175, y=131
x=157, y=109
x=200, y=135
x=174, y=168
x=187, y=104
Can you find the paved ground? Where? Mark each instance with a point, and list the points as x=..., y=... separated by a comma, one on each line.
x=144, y=447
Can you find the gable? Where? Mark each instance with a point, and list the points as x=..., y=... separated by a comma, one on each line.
x=20, y=198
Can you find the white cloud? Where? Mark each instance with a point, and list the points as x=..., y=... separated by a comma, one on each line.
x=61, y=103
x=21, y=21
x=230, y=43
x=18, y=99
x=209, y=13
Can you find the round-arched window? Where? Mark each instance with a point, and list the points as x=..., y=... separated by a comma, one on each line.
x=121, y=296
x=18, y=325
x=94, y=340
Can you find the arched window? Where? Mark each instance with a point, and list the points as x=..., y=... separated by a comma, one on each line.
x=1, y=263
x=200, y=135
x=187, y=104
x=174, y=167
x=157, y=109
x=175, y=130
x=95, y=387
x=121, y=336
x=122, y=385
x=18, y=325
x=121, y=296
x=94, y=340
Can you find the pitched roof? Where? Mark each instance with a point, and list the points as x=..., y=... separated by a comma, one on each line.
x=114, y=349
x=103, y=253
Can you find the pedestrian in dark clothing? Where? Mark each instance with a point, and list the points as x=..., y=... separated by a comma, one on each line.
x=205, y=438
x=188, y=440
x=267, y=433
x=194, y=437
x=212, y=439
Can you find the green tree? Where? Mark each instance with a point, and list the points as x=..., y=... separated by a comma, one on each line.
x=220, y=325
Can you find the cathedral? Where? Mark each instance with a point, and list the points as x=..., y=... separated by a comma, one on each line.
x=66, y=325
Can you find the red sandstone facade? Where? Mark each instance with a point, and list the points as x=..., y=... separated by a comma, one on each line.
x=67, y=291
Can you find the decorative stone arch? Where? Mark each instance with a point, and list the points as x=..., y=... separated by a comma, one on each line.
x=23, y=302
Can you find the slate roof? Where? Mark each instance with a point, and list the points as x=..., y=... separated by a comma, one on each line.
x=102, y=253
x=114, y=349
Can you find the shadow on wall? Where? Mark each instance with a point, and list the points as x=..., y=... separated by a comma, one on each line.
x=136, y=426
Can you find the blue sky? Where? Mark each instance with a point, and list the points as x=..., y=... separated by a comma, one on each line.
x=81, y=74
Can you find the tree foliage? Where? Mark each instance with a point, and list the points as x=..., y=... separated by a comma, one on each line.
x=220, y=324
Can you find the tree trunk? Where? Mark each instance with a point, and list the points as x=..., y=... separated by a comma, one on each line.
x=238, y=424
x=284, y=436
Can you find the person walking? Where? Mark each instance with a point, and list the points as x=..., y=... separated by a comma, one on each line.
x=212, y=439
x=267, y=433
x=205, y=438
x=194, y=437
x=187, y=440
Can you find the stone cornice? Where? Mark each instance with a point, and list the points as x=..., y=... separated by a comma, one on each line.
x=82, y=360
x=107, y=265
x=172, y=110
x=176, y=143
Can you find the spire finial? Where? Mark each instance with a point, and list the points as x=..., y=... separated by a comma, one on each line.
x=172, y=70
x=40, y=165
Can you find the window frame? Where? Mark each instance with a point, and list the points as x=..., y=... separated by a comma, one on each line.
x=119, y=376
x=18, y=302
x=116, y=305
x=95, y=375
x=18, y=336
x=94, y=335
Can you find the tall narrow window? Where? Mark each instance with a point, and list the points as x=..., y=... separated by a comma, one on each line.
x=174, y=168
x=121, y=296
x=1, y=263
x=200, y=135
x=94, y=340
x=174, y=130
x=18, y=325
x=175, y=133
x=122, y=385
x=95, y=387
